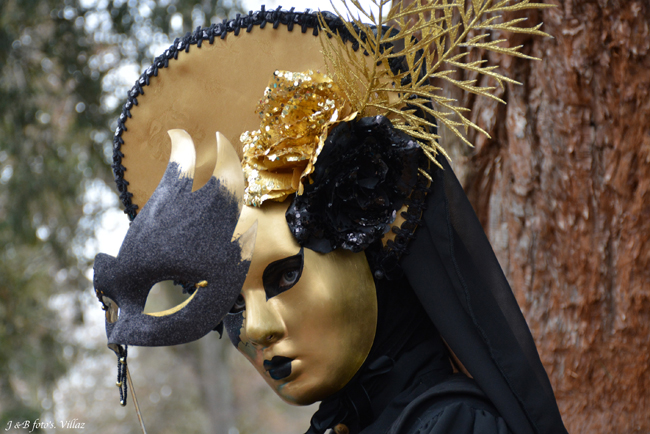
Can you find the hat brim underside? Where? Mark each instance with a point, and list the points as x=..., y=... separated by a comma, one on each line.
x=213, y=86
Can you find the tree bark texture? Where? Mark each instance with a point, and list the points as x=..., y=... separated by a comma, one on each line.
x=562, y=189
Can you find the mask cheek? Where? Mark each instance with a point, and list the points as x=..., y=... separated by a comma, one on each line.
x=233, y=323
x=250, y=352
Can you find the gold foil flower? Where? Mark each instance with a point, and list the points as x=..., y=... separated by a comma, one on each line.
x=297, y=111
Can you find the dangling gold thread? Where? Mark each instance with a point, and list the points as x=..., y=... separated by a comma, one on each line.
x=135, y=401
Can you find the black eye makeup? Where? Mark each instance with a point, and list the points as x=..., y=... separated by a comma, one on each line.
x=278, y=276
x=282, y=275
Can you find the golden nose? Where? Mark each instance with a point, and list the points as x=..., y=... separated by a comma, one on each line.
x=262, y=324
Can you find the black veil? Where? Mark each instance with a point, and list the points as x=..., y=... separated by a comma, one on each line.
x=456, y=276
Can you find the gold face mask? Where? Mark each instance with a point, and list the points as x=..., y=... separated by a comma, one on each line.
x=305, y=320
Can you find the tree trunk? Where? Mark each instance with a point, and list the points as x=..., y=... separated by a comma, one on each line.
x=563, y=192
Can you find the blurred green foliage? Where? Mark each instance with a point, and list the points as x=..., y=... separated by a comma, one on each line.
x=61, y=64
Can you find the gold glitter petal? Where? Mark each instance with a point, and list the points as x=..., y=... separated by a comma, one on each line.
x=275, y=162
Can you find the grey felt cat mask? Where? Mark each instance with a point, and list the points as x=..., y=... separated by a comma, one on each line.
x=184, y=236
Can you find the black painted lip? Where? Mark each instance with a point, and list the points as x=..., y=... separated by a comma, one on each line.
x=278, y=367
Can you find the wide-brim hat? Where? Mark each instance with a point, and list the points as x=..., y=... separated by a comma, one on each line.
x=210, y=80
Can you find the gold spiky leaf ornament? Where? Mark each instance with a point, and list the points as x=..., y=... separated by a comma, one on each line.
x=300, y=108
x=436, y=43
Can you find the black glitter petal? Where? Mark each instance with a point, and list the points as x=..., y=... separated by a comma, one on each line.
x=364, y=172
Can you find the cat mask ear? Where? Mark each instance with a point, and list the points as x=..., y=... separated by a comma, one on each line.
x=183, y=236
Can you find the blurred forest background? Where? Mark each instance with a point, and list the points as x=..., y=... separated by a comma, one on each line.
x=562, y=189
x=65, y=67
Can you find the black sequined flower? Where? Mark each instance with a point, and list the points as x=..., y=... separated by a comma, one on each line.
x=361, y=178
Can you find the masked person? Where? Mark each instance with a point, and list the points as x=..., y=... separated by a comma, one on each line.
x=341, y=254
